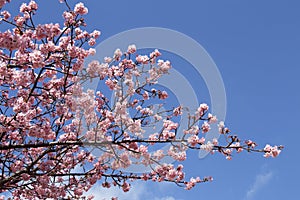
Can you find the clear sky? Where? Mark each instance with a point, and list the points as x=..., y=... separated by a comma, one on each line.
x=256, y=46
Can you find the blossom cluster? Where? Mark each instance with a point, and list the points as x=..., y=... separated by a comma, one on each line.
x=51, y=128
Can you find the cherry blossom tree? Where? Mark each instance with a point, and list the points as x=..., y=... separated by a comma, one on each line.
x=50, y=126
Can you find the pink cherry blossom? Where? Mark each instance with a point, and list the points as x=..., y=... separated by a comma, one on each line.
x=146, y=95
x=202, y=109
x=92, y=42
x=215, y=142
x=131, y=49
x=212, y=118
x=95, y=34
x=157, y=117
x=207, y=147
x=142, y=59
x=169, y=125
x=117, y=54
x=126, y=187
x=271, y=151
x=162, y=94
x=222, y=128
x=193, y=140
x=155, y=53
x=3, y=2
x=192, y=183
x=5, y=14
x=80, y=9
x=164, y=66
x=177, y=111
x=205, y=127
x=112, y=84
x=107, y=59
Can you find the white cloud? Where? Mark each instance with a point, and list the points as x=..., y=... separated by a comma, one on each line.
x=138, y=191
x=260, y=181
x=135, y=193
x=165, y=198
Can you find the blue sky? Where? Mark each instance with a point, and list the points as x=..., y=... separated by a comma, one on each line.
x=256, y=46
